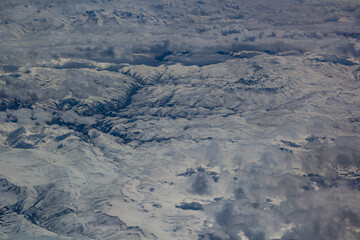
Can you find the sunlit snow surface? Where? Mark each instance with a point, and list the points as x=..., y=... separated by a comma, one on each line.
x=180, y=119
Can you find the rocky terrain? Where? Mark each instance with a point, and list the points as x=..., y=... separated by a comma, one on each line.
x=180, y=119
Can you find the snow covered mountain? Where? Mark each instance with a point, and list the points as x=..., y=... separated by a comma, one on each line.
x=180, y=119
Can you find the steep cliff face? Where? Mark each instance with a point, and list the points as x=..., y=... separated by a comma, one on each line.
x=179, y=120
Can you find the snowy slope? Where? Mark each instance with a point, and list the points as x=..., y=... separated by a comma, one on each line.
x=179, y=120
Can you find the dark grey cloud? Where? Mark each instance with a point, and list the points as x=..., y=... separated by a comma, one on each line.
x=323, y=214
x=100, y=53
x=339, y=153
x=14, y=88
x=319, y=205
x=329, y=214
x=239, y=193
x=200, y=183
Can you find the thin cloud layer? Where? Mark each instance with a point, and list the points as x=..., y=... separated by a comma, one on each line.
x=179, y=119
